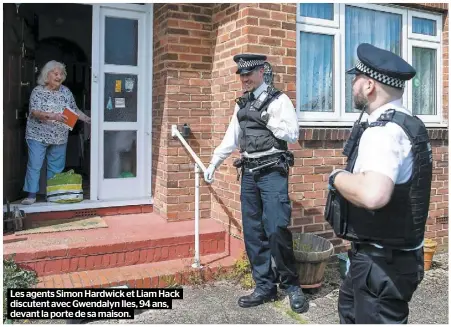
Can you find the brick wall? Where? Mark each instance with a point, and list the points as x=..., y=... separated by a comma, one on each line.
x=181, y=72
x=182, y=94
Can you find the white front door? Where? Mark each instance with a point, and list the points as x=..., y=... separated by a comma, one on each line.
x=120, y=103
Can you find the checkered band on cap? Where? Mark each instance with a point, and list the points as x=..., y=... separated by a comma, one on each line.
x=391, y=81
x=249, y=63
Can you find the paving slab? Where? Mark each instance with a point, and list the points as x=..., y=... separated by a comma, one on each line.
x=217, y=304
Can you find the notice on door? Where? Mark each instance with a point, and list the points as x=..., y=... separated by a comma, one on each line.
x=118, y=88
x=119, y=102
x=129, y=84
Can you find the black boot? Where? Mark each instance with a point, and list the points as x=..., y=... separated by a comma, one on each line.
x=256, y=298
x=298, y=301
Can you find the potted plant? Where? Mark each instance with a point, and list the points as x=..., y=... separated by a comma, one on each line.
x=430, y=247
x=312, y=253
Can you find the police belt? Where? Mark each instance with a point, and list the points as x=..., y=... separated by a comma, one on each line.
x=251, y=163
x=387, y=253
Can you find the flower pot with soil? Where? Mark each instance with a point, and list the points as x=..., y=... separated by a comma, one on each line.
x=430, y=247
x=312, y=253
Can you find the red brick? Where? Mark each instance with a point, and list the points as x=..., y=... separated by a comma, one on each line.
x=81, y=263
x=120, y=259
x=90, y=262
x=142, y=256
x=313, y=228
x=65, y=265
x=150, y=255
x=58, y=281
x=48, y=283
x=76, y=280
x=104, y=282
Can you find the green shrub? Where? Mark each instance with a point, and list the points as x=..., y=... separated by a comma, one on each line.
x=15, y=277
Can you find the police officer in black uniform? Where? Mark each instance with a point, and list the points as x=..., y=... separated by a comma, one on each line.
x=380, y=201
x=263, y=122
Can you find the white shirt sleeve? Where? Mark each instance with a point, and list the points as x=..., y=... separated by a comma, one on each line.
x=384, y=150
x=283, y=121
x=229, y=142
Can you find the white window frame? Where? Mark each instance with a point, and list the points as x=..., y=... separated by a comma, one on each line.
x=436, y=46
x=351, y=117
x=322, y=116
x=318, y=21
x=321, y=26
x=438, y=23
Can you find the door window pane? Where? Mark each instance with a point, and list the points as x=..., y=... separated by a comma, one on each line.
x=121, y=41
x=317, y=10
x=316, y=70
x=424, y=26
x=120, y=98
x=381, y=29
x=119, y=154
x=424, y=83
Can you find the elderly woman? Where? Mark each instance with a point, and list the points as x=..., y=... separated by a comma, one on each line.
x=46, y=135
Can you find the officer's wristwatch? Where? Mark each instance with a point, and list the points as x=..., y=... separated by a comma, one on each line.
x=265, y=116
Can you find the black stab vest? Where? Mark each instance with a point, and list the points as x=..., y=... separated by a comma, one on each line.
x=255, y=136
x=401, y=223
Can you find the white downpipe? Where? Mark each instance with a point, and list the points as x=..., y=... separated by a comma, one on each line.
x=198, y=166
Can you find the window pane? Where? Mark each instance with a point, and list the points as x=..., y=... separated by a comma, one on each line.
x=316, y=72
x=424, y=83
x=120, y=98
x=379, y=28
x=424, y=26
x=119, y=151
x=317, y=10
x=121, y=41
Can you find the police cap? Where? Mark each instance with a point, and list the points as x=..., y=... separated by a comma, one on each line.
x=248, y=62
x=382, y=65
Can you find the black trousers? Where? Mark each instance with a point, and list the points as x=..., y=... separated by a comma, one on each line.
x=379, y=286
x=266, y=214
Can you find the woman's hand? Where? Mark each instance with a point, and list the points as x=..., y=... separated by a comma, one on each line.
x=59, y=117
x=87, y=120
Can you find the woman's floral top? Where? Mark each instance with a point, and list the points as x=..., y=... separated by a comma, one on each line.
x=43, y=99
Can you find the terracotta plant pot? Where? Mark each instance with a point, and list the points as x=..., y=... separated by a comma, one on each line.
x=429, y=249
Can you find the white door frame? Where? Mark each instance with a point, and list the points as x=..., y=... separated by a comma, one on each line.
x=94, y=202
x=97, y=95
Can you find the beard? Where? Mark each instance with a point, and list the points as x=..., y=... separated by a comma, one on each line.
x=360, y=101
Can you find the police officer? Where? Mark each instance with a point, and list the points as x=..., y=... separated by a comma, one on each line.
x=380, y=201
x=263, y=122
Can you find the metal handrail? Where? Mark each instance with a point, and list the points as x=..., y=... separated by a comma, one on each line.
x=197, y=167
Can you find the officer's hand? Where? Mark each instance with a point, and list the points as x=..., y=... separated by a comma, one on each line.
x=208, y=174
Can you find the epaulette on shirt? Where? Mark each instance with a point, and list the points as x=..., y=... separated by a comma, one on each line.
x=386, y=117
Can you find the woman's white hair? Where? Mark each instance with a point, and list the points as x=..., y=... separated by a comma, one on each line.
x=48, y=67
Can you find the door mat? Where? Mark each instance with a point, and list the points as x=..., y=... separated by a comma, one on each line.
x=52, y=226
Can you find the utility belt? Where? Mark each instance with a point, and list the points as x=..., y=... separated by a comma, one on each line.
x=387, y=253
x=280, y=161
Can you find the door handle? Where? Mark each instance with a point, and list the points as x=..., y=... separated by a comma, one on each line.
x=24, y=84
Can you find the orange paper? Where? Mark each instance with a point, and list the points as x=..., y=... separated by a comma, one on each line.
x=72, y=117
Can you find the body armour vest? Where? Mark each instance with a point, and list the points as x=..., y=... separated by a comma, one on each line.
x=255, y=136
x=401, y=223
